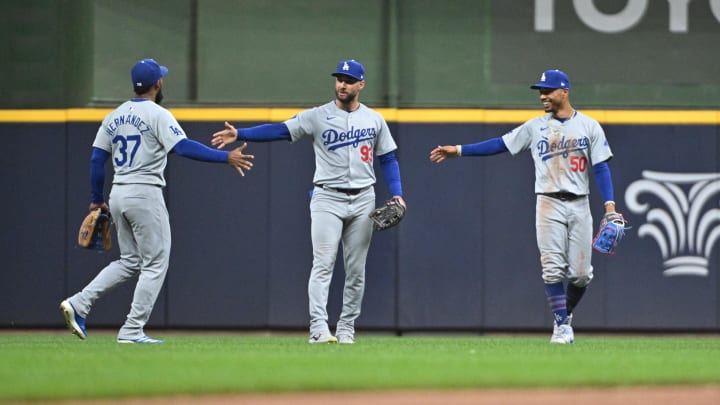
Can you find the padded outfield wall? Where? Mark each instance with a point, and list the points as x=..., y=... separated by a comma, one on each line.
x=418, y=53
x=463, y=259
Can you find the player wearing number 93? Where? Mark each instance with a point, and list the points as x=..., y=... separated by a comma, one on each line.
x=564, y=144
x=138, y=135
x=346, y=135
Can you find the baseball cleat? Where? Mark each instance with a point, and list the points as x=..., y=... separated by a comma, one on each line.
x=322, y=338
x=74, y=322
x=345, y=339
x=564, y=335
x=144, y=339
x=567, y=322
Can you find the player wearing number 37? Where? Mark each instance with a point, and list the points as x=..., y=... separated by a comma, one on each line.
x=346, y=135
x=138, y=136
x=565, y=146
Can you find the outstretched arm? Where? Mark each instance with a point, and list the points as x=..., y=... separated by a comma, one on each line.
x=197, y=151
x=485, y=148
x=260, y=133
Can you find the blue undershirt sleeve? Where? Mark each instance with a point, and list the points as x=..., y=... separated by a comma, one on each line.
x=97, y=174
x=485, y=148
x=265, y=133
x=197, y=151
x=391, y=172
x=603, y=179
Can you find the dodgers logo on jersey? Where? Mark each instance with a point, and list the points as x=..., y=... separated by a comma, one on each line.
x=352, y=137
x=548, y=149
x=176, y=130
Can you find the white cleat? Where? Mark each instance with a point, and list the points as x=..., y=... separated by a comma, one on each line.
x=567, y=322
x=346, y=339
x=141, y=340
x=74, y=322
x=563, y=335
x=325, y=337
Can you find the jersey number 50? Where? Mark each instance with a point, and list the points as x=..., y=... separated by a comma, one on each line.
x=578, y=163
x=123, y=148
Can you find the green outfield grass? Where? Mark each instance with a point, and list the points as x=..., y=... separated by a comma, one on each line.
x=55, y=366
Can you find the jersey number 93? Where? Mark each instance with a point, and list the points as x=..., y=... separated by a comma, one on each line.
x=366, y=153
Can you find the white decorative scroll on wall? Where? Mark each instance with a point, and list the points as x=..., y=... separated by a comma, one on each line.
x=687, y=227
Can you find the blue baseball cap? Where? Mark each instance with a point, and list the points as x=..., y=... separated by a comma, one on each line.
x=351, y=68
x=552, y=79
x=146, y=72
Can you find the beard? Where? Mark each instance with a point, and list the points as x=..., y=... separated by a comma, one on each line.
x=553, y=106
x=349, y=97
x=159, y=97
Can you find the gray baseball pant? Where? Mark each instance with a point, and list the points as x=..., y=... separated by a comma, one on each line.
x=339, y=217
x=143, y=229
x=564, y=238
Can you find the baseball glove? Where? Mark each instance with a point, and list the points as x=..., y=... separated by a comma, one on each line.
x=387, y=216
x=95, y=230
x=612, y=230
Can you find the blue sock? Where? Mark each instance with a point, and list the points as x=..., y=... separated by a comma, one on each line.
x=557, y=301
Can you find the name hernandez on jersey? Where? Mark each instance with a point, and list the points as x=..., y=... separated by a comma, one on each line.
x=139, y=134
x=126, y=119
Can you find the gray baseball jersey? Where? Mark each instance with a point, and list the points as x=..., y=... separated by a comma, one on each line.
x=344, y=142
x=139, y=135
x=563, y=152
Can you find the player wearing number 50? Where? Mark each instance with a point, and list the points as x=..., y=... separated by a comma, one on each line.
x=138, y=135
x=346, y=135
x=565, y=146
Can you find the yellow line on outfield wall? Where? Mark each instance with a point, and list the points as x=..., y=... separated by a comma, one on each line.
x=401, y=115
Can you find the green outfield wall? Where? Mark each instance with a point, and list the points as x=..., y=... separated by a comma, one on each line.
x=631, y=54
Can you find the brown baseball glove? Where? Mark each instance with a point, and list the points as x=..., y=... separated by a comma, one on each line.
x=95, y=230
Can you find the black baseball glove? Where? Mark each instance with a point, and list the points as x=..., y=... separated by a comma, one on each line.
x=389, y=215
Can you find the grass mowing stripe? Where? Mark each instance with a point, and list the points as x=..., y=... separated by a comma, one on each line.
x=41, y=366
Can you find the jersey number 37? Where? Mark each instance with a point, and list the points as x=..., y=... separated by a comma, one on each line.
x=122, y=149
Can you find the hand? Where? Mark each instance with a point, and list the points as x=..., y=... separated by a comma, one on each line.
x=400, y=199
x=441, y=153
x=609, y=206
x=240, y=161
x=613, y=216
x=224, y=137
x=104, y=207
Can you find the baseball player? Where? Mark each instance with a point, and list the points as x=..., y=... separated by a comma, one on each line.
x=565, y=145
x=346, y=136
x=138, y=135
